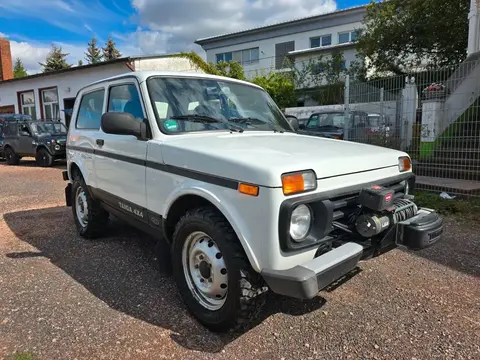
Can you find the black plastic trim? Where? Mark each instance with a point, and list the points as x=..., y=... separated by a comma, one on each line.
x=324, y=212
x=137, y=212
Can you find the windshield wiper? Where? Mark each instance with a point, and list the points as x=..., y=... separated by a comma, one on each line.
x=251, y=120
x=204, y=119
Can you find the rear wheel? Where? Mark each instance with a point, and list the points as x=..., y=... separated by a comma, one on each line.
x=44, y=158
x=213, y=274
x=90, y=218
x=12, y=158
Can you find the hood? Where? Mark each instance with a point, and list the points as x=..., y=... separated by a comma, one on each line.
x=261, y=157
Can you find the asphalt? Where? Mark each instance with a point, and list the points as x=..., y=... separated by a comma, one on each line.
x=62, y=297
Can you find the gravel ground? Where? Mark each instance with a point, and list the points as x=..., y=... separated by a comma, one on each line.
x=65, y=298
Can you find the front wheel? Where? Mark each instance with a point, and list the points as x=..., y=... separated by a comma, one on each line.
x=44, y=158
x=213, y=274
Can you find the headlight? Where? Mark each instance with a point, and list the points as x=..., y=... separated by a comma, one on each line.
x=404, y=164
x=297, y=182
x=57, y=147
x=300, y=222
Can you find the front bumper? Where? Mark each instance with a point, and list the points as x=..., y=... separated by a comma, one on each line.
x=306, y=280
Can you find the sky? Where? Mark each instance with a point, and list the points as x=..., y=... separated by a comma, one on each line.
x=138, y=26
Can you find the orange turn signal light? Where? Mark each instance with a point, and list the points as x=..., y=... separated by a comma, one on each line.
x=248, y=189
x=293, y=183
x=404, y=164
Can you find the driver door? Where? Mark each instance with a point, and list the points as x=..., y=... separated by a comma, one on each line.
x=25, y=146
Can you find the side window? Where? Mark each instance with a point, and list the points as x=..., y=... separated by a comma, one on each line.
x=125, y=98
x=90, y=111
x=313, y=122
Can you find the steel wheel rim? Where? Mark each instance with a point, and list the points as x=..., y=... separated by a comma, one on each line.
x=205, y=270
x=81, y=207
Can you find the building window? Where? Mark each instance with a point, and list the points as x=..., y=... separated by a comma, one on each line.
x=26, y=101
x=224, y=57
x=49, y=104
x=346, y=37
x=325, y=40
x=281, y=53
x=244, y=57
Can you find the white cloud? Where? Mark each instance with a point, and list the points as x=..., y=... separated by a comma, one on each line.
x=164, y=26
x=183, y=21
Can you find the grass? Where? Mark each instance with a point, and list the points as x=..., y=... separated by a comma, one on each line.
x=22, y=356
x=461, y=209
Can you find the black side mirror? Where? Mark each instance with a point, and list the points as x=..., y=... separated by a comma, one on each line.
x=121, y=123
x=24, y=133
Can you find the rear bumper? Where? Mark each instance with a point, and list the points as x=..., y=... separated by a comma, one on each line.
x=306, y=280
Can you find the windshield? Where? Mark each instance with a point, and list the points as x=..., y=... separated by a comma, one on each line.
x=48, y=128
x=327, y=119
x=192, y=104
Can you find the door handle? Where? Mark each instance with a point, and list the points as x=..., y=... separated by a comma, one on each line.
x=100, y=142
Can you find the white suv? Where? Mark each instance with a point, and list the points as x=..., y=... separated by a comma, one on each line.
x=212, y=168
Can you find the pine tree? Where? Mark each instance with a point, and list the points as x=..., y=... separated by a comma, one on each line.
x=19, y=70
x=55, y=60
x=110, y=52
x=93, y=55
x=80, y=63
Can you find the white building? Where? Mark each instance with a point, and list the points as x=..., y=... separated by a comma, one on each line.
x=49, y=96
x=263, y=49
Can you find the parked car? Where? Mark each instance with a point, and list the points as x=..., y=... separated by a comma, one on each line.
x=378, y=124
x=44, y=140
x=331, y=124
x=240, y=204
x=2, y=154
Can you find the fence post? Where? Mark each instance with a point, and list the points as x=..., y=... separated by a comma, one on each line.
x=346, y=107
x=382, y=111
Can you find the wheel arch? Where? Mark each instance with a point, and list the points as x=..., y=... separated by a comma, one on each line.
x=193, y=198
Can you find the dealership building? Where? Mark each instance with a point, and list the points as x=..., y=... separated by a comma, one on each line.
x=51, y=96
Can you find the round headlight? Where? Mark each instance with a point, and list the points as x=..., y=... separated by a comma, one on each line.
x=300, y=222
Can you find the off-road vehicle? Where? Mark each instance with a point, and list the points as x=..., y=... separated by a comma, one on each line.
x=44, y=140
x=244, y=203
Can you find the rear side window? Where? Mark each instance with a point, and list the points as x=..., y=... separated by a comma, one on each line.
x=90, y=111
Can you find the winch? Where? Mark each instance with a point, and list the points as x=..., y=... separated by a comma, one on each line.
x=386, y=210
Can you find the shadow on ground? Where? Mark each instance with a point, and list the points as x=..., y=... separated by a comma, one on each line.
x=121, y=270
x=30, y=162
x=459, y=248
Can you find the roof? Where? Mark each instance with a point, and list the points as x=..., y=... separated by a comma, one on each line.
x=277, y=25
x=322, y=49
x=143, y=75
x=125, y=59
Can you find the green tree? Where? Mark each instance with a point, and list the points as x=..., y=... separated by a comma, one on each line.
x=279, y=87
x=402, y=34
x=56, y=60
x=110, y=52
x=80, y=63
x=18, y=69
x=230, y=69
x=93, y=54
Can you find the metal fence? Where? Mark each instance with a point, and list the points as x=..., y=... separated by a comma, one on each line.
x=432, y=115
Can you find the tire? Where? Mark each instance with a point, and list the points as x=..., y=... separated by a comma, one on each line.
x=12, y=158
x=43, y=158
x=92, y=224
x=243, y=297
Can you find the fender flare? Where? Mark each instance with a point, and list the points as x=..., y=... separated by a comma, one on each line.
x=234, y=221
